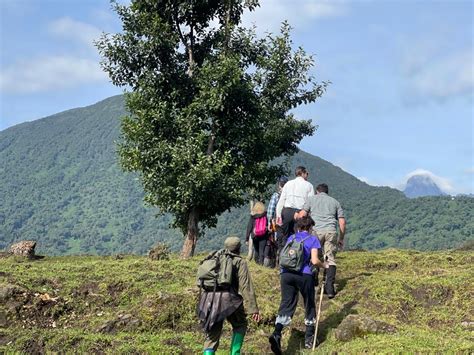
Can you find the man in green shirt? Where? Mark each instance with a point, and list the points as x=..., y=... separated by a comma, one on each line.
x=327, y=213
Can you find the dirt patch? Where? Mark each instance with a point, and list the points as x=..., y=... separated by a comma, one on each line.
x=429, y=296
x=44, y=282
x=403, y=312
x=173, y=342
x=122, y=322
x=115, y=288
x=34, y=346
x=87, y=289
x=382, y=266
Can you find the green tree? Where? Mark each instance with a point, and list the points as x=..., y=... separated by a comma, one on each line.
x=209, y=105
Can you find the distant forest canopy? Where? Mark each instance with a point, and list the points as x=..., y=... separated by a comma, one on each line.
x=62, y=186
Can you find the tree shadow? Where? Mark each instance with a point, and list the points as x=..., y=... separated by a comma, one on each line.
x=334, y=320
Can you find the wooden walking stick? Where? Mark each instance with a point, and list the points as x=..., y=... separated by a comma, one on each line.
x=319, y=312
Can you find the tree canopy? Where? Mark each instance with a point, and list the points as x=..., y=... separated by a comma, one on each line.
x=209, y=105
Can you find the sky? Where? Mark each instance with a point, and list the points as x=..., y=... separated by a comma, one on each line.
x=400, y=102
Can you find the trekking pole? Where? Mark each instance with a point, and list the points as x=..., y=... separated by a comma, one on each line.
x=319, y=312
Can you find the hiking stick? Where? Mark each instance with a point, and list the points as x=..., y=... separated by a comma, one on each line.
x=319, y=313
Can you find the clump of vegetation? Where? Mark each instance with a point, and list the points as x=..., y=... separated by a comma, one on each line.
x=92, y=304
x=159, y=251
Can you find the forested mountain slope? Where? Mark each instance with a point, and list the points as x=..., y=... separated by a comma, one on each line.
x=61, y=185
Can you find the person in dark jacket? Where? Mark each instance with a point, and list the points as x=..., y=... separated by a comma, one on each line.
x=233, y=304
x=257, y=217
x=292, y=283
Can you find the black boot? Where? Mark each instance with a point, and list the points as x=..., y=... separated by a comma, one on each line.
x=329, y=284
x=308, y=336
x=275, y=339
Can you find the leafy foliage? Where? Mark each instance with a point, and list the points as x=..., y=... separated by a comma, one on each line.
x=62, y=186
x=209, y=106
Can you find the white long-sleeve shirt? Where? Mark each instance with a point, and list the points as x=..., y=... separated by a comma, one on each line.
x=294, y=194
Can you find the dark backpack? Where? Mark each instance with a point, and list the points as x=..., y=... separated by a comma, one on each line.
x=215, y=271
x=292, y=255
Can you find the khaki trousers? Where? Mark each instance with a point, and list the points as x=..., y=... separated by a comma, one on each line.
x=328, y=242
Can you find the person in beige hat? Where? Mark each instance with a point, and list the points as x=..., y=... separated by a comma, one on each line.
x=232, y=304
x=258, y=231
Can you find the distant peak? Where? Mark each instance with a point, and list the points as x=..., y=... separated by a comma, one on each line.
x=422, y=185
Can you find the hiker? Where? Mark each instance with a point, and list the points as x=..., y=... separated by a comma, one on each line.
x=326, y=213
x=257, y=230
x=274, y=229
x=292, y=199
x=297, y=260
x=227, y=295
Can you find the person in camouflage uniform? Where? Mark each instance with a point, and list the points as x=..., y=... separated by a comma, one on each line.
x=233, y=304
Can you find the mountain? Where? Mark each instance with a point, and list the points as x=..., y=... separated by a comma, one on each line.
x=62, y=186
x=422, y=185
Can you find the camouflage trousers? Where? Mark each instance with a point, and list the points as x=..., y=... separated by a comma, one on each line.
x=238, y=320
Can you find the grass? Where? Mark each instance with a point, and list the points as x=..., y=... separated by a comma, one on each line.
x=131, y=304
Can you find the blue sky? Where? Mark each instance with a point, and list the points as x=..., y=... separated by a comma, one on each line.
x=400, y=102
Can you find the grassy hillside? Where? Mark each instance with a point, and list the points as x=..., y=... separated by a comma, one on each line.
x=62, y=186
x=130, y=304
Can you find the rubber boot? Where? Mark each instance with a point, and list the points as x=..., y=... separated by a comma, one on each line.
x=209, y=352
x=236, y=345
x=275, y=339
x=308, y=336
x=329, y=284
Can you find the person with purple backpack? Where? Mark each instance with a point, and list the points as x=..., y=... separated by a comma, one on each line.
x=297, y=259
x=257, y=230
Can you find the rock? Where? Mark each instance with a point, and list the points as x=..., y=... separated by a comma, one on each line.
x=3, y=319
x=359, y=325
x=159, y=252
x=7, y=291
x=24, y=248
x=468, y=324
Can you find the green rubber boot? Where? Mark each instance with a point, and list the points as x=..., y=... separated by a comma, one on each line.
x=209, y=352
x=237, y=341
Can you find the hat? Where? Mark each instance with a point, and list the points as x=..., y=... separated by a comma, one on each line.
x=232, y=243
x=258, y=208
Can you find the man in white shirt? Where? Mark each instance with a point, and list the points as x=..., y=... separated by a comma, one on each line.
x=292, y=199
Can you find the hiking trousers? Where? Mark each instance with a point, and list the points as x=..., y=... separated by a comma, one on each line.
x=259, y=245
x=238, y=320
x=328, y=242
x=288, y=221
x=291, y=285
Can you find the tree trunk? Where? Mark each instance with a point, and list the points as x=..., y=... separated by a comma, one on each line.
x=191, y=236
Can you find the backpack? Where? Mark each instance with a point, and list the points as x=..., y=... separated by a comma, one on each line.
x=292, y=255
x=215, y=271
x=260, y=228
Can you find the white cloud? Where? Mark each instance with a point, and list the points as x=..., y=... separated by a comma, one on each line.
x=49, y=73
x=363, y=179
x=68, y=28
x=446, y=77
x=443, y=183
x=434, y=70
x=271, y=13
